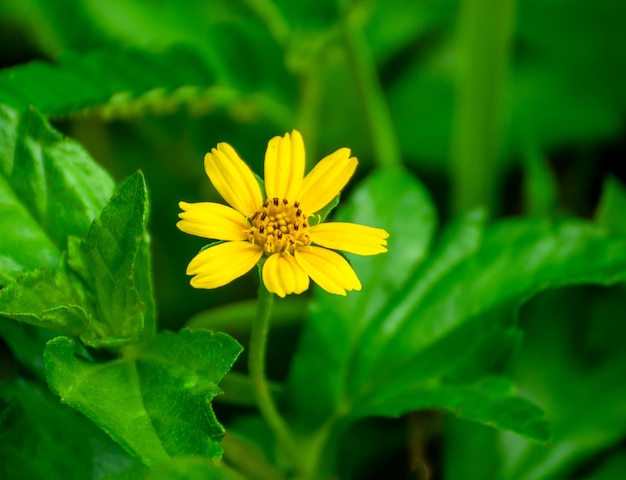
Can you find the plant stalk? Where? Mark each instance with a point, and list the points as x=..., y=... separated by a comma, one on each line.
x=483, y=47
x=377, y=115
x=260, y=386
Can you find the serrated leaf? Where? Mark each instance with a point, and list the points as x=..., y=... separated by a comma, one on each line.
x=156, y=401
x=49, y=189
x=42, y=439
x=108, y=254
x=142, y=278
x=103, y=292
x=48, y=299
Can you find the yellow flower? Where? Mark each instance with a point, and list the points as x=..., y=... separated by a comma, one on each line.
x=278, y=227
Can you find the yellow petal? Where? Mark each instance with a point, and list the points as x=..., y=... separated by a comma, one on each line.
x=350, y=237
x=213, y=220
x=221, y=264
x=282, y=275
x=328, y=269
x=326, y=180
x=233, y=179
x=284, y=166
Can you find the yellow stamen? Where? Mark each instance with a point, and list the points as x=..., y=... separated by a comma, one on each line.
x=279, y=226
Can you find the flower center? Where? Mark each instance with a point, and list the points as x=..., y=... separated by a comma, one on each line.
x=279, y=227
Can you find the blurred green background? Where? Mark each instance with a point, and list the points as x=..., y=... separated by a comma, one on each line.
x=516, y=105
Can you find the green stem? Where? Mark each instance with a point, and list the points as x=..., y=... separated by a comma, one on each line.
x=260, y=386
x=485, y=32
x=377, y=114
x=273, y=18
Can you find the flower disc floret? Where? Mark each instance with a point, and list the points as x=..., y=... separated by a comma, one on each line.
x=279, y=226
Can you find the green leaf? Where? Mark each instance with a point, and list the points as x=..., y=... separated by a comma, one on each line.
x=582, y=370
x=516, y=260
x=77, y=81
x=49, y=189
x=458, y=242
x=490, y=401
x=42, y=439
x=103, y=293
x=561, y=326
x=142, y=278
x=155, y=401
x=322, y=364
x=432, y=338
x=108, y=256
x=192, y=468
x=130, y=82
x=611, y=212
x=47, y=299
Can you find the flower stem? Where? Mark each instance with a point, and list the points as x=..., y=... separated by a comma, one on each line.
x=377, y=115
x=256, y=369
x=484, y=47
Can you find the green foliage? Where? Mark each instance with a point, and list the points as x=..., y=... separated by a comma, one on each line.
x=94, y=293
x=139, y=84
x=106, y=261
x=50, y=189
x=191, y=468
x=570, y=327
x=579, y=432
x=462, y=353
x=612, y=205
x=34, y=425
x=155, y=401
x=395, y=355
x=99, y=288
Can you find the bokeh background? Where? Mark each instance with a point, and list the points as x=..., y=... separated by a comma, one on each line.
x=516, y=105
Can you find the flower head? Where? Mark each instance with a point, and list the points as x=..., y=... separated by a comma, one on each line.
x=276, y=230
